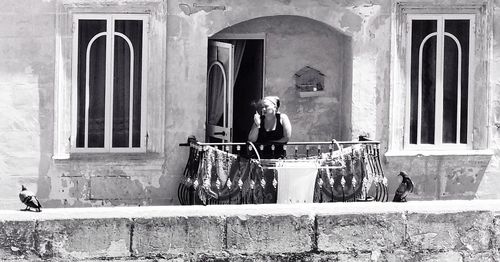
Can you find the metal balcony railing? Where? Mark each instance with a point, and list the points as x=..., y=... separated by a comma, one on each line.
x=234, y=173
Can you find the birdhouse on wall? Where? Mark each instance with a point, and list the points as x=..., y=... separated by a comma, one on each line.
x=309, y=82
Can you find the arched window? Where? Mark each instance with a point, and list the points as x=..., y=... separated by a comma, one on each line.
x=439, y=104
x=108, y=99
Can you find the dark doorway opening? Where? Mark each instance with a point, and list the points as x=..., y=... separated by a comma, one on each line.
x=248, y=87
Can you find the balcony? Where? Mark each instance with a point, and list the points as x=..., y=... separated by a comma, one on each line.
x=248, y=173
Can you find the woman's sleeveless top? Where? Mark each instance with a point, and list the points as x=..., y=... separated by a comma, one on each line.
x=268, y=136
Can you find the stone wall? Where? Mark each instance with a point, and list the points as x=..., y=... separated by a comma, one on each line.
x=35, y=47
x=413, y=231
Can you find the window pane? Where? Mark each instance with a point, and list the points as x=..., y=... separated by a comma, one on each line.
x=128, y=39
x=216, y=95
x=420, y=30
x=460, y=30
x=450, y=74
x=223, y=57
x=96, y=70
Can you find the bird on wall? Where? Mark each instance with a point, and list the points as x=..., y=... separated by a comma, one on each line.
x=29, y=199
x=364, y=138
x=404, y=189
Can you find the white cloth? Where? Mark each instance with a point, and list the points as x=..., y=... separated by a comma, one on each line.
x=296, y=181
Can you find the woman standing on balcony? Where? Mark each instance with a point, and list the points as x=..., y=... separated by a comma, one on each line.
x=270, y=126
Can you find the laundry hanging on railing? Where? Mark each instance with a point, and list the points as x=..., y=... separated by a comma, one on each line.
x=296, y=181
x=349, y=183
x=215, y=176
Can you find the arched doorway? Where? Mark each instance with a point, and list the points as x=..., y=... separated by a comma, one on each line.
x=267, y=53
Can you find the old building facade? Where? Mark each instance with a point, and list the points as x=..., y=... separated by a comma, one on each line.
x=97, y=95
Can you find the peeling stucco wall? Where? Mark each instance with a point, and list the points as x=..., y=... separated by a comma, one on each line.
x=26, y=82
x=362, y=29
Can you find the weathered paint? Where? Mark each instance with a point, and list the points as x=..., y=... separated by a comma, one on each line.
x=350, y=42
x=441, y=177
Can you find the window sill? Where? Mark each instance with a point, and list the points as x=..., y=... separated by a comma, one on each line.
x=109, y=157
x=304, y=94
x=421, y=153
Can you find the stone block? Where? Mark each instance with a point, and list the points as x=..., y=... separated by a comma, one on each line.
x=17, y=240
x=178, y=235
x=488, y=256
x=270, y=234
x=397, y=255
x=84, y=238
x=441, y=257
x=361, y=232
x=496, y=233
x=355, y=257
x=470, y=231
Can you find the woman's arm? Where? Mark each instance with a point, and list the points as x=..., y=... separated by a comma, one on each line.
x=287, y=129
x=254, y=132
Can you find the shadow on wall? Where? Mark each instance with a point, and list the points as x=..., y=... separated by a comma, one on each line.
x=439, y=177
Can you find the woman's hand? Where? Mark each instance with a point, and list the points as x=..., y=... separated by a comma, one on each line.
x=256, y=119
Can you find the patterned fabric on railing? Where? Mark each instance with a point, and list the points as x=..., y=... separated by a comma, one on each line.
x=214, y=176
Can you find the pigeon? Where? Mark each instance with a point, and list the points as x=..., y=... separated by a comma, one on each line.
x=364, y=138
x=405, y=188
x=29, y=199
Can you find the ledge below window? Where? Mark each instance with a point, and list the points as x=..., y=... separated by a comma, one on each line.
x=109, y=157
x=421, y=153
x=303, y=94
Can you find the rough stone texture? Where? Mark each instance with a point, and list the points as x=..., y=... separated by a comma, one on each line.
x=83, y=238
x=363, y=232
x=17, y=240
x=442, y=257
x=488, y=256
x=270, y=234
x=414, y=231
x=496, y=232
x=469, y=231
x=178, y=235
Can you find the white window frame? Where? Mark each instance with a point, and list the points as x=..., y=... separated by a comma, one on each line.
x=438, y=119
x=156, y=74
x=108, y=129
x=482, y=126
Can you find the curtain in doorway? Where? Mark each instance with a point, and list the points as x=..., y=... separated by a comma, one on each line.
x=239, y=49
